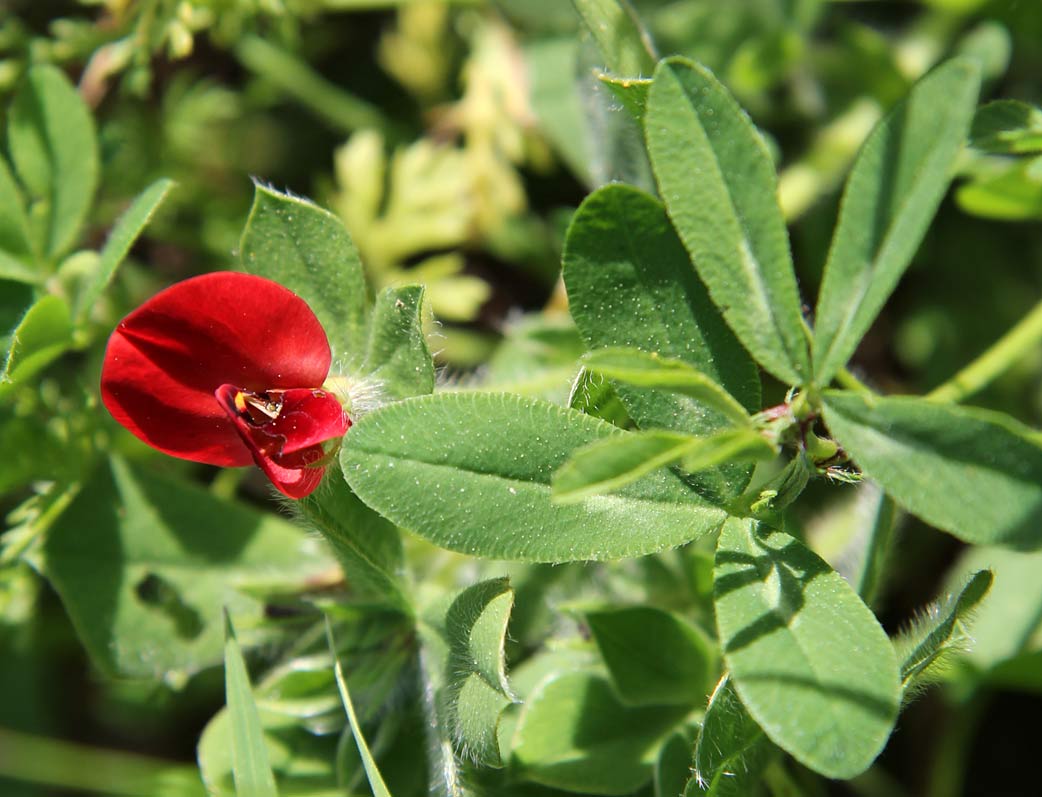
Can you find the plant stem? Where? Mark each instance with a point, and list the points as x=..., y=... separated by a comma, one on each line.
x=847, y=380
x=948, y=768
x=1000, y=356
x=50, y=762
x=340, y=108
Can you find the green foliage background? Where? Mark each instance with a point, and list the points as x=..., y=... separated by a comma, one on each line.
x=456, y=141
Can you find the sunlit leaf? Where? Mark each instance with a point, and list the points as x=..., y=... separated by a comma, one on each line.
x=472, y=472
x=892, y=193
x=719, y=186
x=973, y=473
x=790, y=625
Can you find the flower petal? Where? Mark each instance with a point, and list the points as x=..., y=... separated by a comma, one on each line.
x=165, y=360
x=284, y=431
x=293, y=482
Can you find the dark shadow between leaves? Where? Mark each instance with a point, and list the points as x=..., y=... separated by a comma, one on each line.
x=793, y=566
x=155, y=591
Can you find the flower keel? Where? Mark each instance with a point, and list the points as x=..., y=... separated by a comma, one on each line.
x=284, y=431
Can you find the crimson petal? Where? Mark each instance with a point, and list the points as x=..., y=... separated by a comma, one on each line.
x=284, y=431
x=166, y=359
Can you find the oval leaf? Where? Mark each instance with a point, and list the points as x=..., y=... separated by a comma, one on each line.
x=719, y=186
x=55, y=152
x=892, y=193
x=654, y=657
x=307, y=249
x=973, y=473
x=631, y=284
x=476, y=688
x=574, y=734
x=791, y=626
x=471, y=472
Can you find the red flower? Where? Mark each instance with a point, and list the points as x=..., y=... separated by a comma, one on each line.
x=224, y=369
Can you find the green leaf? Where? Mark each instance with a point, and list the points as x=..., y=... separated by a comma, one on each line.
x=654, y=657
x=55, y=153
x=592, y=394
x=33, y=450
x=630, y=283
x=783, y=488
x=973, y=473
x=43, y=335
x=1007, y=127
x=145, y=564
x=121, y=238
x=471, y=472
x=790, y=625
x=617, y=151
x=302, y=762
x=1013, y=194
x=719, y=185
x=672, y=769
x=16, y=249
x=476, y=689
x=368, y=547
x=631, y=93
x=625, y=45
x=575, y=735
x=305, y=248
x=376, y=781
x=555, y=99
x=1007, y=626
x=938, y=631
x=610, y=464
x=894, y=188
x=397, y=356
x=329, y=101
x=731, y=748
x=253, y=775
x=653, y=371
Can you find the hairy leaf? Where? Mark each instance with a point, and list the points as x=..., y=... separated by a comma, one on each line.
x=973, y=473
x=397, y=355
x=936, y=632
x=719, y=186
x=612, y=463
x=892, y=193
x=731, y=748
x=305, y=248
x=789, y=625
x=623, y=42
x=471, y=472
